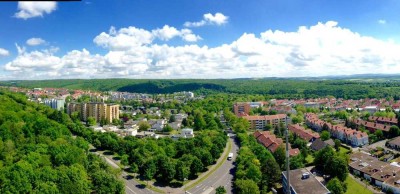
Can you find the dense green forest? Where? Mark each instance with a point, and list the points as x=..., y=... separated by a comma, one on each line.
x=272, y=87
x=38, y=154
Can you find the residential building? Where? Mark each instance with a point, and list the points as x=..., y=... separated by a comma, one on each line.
x=271, y=142
x=384, y=120
x=81, y=108
x=158, y=124
x=378, y=173
x=314, y=122
x=345, y=134
x=189, y=94
x=311, y=105
x=256, y=104
x=303, y=181
x=294, y=152
x=131, y=124
x=268, y=140
x=330, y=142
x=370, y=109
x=371, y=126
x=187, y=133
x=97, y=110
x=259, y=122
x=392, y=183
x=55, y=103
x=299, y=131
x=98, y=129
x=394, y=144
x=130, y=132
x=318, y=144
x=175, y=125
x=241, y=108
x=179, y=117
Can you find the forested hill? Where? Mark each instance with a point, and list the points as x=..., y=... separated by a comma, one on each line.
x=39, y=155
x=374, y=87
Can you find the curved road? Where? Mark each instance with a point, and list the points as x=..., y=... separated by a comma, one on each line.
x=131, y=186
x=223, y=176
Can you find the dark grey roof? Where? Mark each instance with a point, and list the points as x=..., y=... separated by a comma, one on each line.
x=318, y=144
x=330, y=142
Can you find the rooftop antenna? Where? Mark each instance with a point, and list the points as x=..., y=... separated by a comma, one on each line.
x=287, y=156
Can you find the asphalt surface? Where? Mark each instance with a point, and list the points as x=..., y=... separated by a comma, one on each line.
x=223, y=176
x=131, y=186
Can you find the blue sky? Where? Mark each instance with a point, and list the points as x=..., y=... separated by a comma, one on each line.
x=65, y=44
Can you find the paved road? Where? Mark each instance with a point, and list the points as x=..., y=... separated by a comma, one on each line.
x=131, y=186
x=223, y=176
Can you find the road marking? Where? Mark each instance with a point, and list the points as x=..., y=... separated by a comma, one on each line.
x=209, y=190
x=130, y=189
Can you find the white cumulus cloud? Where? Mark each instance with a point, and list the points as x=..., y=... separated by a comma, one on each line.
x=166, y=33
x=209, y=19
x=4, y=52
x=35, y=41
x=132, y=37
x=318, y=50
x=30, y=9
x=381, y=21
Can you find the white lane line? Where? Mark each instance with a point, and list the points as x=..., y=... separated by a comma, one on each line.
x=209, y=190
x=130, y=189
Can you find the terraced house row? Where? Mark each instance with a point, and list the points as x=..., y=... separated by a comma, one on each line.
x=345, y=134
x=376, y=172
x=371, y=126
x=299, y=131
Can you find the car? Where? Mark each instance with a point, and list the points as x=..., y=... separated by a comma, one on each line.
x=230, y=156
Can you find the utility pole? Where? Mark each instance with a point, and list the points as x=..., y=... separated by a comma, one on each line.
x=287, y=156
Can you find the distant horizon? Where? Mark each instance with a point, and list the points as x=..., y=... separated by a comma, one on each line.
x=369, y=76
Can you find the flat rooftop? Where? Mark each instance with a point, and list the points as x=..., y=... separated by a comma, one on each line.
x=305, y=186
x=366, y=163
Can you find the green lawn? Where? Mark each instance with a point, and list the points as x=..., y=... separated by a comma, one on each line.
x=309, y=159
x=343, y=151
x=353, y=187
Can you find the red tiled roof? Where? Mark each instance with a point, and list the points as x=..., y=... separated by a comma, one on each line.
x=336, y=129
x=372, y=125
x=303, y=133
x=294, y=152
x=268, y=140
x=383, y=119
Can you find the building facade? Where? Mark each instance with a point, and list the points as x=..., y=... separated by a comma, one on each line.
x=241, y=108
x=56, y=103
x=97, y=110
x=378, y=173
x=345, y=134
x=259, y=122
